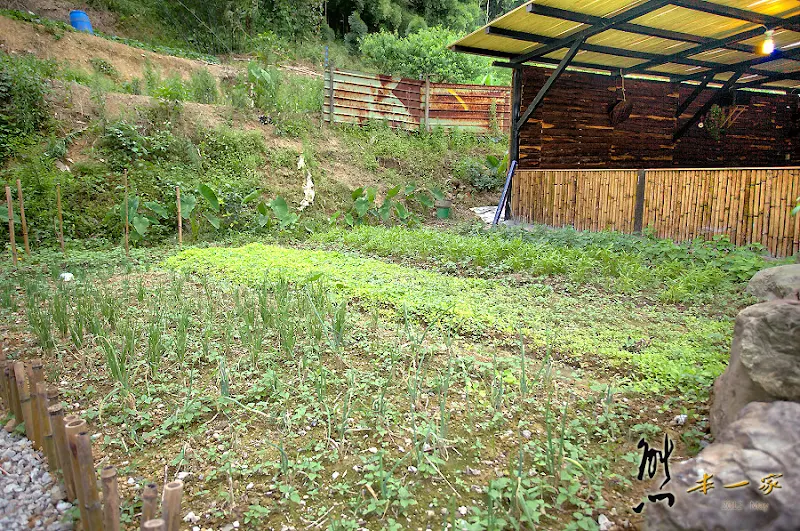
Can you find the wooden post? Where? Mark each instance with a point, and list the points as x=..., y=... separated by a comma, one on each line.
x=180, y=218
x=108, y=476
x=60, y=218
x=11, y=226
x=427, y=103
x=638, y=214
x=36, y=378
x=3, y=379
x=13, y=392
x=56, y=412
x=171, y=505
x=331, y=93
x=154, y=525
x=22, y=217
x=49, y=395
x=24, y=398
x=89, y=481
x=125, y=186
x=149, y=503
x=73, y=428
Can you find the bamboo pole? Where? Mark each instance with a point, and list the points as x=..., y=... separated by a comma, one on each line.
x=56, y=412
x=11, y=226
x=36, y=378
x=154, y=525
x=180, y=218
x=149, y=503
x=16, y=406
x=89, y=481
x=22, y=217
x=3, y=380
x=111, y=514
x=127, y=214
x=60, y=218
x=24, y=397
x=171, y=505
x=73, y=428
x=39, y=400
x=50, y=395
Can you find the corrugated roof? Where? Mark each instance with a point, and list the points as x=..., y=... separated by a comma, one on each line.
x=680, y=40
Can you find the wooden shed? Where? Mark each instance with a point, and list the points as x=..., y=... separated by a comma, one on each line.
x=680, y=115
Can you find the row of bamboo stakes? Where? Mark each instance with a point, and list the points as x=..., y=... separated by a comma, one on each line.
x=60, y=229
x=67, y=447
x=747, y=205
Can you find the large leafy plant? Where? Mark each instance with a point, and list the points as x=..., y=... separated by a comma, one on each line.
x=210, y=213
x=395, y=204
x=276, y=209
x=141, y=216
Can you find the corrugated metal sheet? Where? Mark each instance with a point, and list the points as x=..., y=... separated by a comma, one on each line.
x=405, y=103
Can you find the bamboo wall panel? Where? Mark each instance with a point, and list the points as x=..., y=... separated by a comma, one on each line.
x=748, y=205
x=572, y=129
x=359, y=98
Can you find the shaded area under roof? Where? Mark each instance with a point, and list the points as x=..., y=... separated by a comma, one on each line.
x=677, y=40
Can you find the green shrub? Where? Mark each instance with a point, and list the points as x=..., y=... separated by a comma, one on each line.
x=23, y=108
x=101, y=66
x=203, y=87
x=172, y=89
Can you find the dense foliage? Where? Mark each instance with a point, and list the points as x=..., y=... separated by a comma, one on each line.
x=23, y=110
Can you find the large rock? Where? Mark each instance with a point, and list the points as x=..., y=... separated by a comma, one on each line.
x=782, y=282
x=765, y=361
x=764, y=440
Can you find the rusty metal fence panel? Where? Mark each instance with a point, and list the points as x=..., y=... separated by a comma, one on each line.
x=407, y=103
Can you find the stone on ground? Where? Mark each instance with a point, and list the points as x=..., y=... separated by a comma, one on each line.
x=782, y=282
x=764, y=440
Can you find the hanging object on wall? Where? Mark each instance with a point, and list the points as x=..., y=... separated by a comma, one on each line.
x=622, y=109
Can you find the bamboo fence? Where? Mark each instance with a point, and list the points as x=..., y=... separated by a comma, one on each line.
x=66, y=445
x=748, y=205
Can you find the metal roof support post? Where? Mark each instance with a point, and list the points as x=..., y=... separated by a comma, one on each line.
x=704, y=109
x=693, y=96
x=549, y=83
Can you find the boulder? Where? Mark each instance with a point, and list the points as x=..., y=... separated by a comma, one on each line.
x=764, y=440
x=782, y=282
x=765, y=361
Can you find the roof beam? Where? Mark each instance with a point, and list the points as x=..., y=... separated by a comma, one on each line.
x=582, y=35
x=705, y=108
x=770, y=79
x=608, y=50
x=710, y=45
x=745, y=65
x=740, y=14
x=549, y=83
x=693, y=96
x=552, y=12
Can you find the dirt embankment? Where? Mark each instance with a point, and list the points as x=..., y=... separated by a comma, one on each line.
x=78, y=49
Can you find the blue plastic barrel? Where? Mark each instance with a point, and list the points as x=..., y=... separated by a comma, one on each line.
x=80, y=21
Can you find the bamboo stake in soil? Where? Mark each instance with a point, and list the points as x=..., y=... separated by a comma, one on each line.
x=3, y=379
x=108, y=476
x=13, y=392
x=125, y=186
x=154, y=525
x=56, y=412
x=60, y=218
x=171, y=505
x=149, y=503
x=89, y=481
x=11, y=226
x=36, y=421
x=73, y=428
x=24, y=398
x=180, y=219
x=49, y=396
x=22, y=217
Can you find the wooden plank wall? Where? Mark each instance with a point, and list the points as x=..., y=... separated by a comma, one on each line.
x=747, y=204
x=571, y=129
x=359, y=98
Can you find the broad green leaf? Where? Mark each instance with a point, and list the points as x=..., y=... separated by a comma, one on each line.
x=140, y=224
x=410, y=189
x=402, y=211
x=795, y=210
x=262, y=209
x=392, y=192
x=157, y=209
x=133, y=207
x=437, y=193
x=289, y=220
x=209, y=196
x=361, y=206
x=425, y=199
x=252, y=196
x=279, y=207
x=371, y=193
x=214, y=220
x=385, y=211
x=349, y=219
x=358, y=192
x=188, y=202
x=493, y=161
x=262, y=220
x=4, y=216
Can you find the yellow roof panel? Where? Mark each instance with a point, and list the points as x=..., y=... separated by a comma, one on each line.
x=677, y=29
